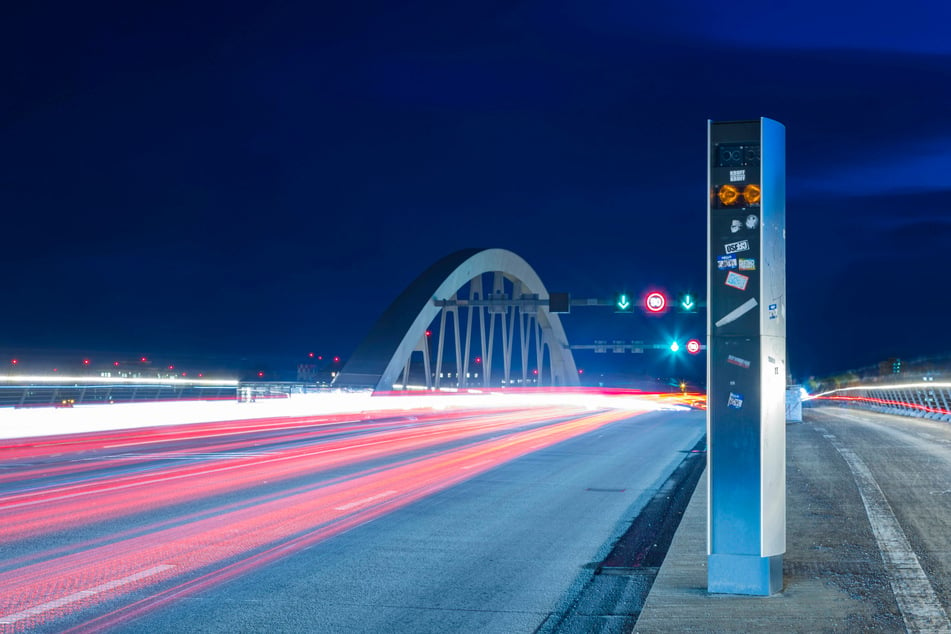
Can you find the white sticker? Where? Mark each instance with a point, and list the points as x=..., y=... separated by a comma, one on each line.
x=737, y=312
x=752, y=221
x=736, y=247
x=735, y=226
x=743, y=363
x=747, y=264
x=737, y=280
x=737, y=176
x=735, y=401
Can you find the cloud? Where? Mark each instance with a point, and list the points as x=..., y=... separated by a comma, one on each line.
x=922, y=165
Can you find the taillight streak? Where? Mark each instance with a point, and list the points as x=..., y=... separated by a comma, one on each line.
x=255, y=534
x=47, y=509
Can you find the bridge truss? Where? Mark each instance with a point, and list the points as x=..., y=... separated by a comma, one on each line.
x=488, y=303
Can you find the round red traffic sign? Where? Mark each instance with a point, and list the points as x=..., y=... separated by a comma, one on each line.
x=655, y=302
x=693, y=346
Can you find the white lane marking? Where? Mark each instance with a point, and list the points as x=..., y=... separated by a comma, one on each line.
x=364, y=501
x=915, y=595
x=37, y=610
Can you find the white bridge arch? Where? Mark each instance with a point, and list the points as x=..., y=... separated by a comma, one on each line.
x=516, y=295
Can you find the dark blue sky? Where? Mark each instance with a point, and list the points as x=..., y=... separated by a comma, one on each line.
x=254, y=180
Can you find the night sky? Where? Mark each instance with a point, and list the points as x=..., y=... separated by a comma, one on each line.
x=259, y=180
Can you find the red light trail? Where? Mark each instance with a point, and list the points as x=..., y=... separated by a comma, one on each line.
x=304, y=480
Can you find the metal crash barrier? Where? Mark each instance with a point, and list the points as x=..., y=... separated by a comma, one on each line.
x=922, y=400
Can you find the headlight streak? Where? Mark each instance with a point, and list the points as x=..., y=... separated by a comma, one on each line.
x=236, y=541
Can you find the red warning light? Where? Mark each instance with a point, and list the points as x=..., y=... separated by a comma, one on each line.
x=693, y=346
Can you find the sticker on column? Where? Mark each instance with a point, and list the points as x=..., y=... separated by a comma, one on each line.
x=752, y=221
x=737, y=312
x=737, y=280
x=736, y=247
x=735, y=401
x=743, y=363
x=773, y=311
x=726, y=262
x=735, y=226
x=747, y=264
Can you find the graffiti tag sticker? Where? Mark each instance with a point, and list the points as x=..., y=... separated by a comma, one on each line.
x=726, y=262
x=735, y=401
x=736, y=247
x=743, y=363
x=735, y=226
x=747, y=264
x=737, y=280
x=752, y=221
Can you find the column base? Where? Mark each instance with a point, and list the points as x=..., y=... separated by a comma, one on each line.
x=744, y=574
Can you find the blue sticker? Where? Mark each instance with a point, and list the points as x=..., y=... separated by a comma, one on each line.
x=736, y=401
x=727, y=262
x=773, y=311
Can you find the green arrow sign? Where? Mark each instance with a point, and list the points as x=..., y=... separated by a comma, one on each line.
x=687, y=303
x=623, y=302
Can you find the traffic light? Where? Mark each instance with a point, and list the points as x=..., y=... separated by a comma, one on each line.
x=687, y=303
x=674, y=347
x=623, y=303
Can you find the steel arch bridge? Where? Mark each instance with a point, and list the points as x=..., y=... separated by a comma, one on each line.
x=487, y=286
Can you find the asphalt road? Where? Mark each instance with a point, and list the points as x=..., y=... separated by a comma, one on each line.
x=909, y=461
x=462, y=521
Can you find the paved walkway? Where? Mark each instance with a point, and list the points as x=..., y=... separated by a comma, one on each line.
x=834, y=576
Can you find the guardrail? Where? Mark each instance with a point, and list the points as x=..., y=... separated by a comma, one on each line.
x=46, y=391
x=921, y=400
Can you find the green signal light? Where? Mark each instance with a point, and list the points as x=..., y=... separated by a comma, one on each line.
x=674, y=347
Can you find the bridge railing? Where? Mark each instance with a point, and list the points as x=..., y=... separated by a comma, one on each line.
x=922, y=400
